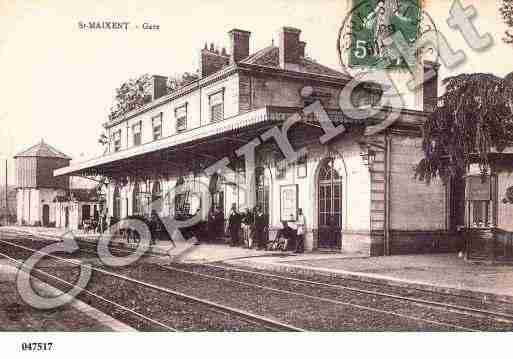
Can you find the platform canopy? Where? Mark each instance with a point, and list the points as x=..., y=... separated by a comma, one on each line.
x=211, y=142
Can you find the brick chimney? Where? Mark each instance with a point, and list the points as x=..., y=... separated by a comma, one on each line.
x=430, y=85
x=290, y=47
x=212, y=61
x=239, y=45
x=159, y=86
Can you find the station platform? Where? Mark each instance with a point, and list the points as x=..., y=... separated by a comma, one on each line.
x=445, y=273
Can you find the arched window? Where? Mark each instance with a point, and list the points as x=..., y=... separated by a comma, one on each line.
x=330, y=205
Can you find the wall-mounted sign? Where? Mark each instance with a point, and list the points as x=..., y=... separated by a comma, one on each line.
x=288, y=202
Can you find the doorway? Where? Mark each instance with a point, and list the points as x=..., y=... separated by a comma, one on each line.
x=66, y=217
x=46, y=215
x=330, y=206
x=262, y=190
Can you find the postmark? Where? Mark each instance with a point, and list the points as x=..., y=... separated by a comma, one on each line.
x=368, y=37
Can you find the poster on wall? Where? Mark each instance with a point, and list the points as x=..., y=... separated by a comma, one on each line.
x=288, y=202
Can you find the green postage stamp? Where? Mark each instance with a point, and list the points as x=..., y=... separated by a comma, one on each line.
x=373, y=21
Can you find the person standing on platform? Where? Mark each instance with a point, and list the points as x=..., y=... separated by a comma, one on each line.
x=260, y=225
x=211, y=225
x=301, y=229
x=234, y=222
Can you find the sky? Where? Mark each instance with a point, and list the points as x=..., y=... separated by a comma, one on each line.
x=58, y=81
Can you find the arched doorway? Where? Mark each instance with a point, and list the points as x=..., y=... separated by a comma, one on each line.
x=262, y=190
x=329, y=206
x=46, y=215
x=116, y=204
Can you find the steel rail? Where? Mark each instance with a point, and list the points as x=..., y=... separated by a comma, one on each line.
x=450, y=307
x=21, y=266
x=323, y=299
x=252, y=318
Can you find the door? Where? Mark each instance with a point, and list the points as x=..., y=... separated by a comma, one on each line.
x=262, y=190
x=46, y=215
x=86, y=212
x=330, y=206
x=66, y=217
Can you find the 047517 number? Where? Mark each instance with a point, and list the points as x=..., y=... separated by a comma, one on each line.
x=37, y=347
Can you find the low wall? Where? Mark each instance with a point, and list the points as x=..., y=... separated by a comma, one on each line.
x=419, y=242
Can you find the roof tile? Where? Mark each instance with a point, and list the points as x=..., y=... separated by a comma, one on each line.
x=42, y=149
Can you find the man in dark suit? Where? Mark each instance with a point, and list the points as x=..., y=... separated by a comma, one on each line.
x=234, y=222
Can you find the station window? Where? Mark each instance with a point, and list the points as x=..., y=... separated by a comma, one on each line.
x=479, y=201
x=117, y=140
x=181, y=118
x=216, y=103
x=302, y=167
x=136, y=130
x=157, y=126
x=281, y=171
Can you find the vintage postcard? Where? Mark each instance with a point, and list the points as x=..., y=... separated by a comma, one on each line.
x=273, y=166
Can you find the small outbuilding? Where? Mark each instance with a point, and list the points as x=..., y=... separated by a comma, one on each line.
x=45, y=200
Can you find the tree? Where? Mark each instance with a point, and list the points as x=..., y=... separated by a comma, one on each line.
x=474, y=117
x=132, y=94
x=135, y=93
x=506, y=11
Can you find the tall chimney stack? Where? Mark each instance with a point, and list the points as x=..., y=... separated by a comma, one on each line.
x=290, y=47
x=159, y=86
x=239, y=45
x=430, y=86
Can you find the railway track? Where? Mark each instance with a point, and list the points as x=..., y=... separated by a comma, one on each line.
x=507, y=317
x=65, y=286
x=433, y=310
x=282, y=284
x=449, y=307
x=250, y=321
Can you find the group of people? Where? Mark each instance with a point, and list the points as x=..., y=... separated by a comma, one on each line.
x=287, y=238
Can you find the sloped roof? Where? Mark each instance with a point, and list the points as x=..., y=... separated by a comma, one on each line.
x=42, y=149
x=270, y=57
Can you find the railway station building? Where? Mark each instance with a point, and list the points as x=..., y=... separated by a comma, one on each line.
x=358, y=193
x=45, y=200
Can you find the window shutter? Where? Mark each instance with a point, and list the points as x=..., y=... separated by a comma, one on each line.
x=181, y=117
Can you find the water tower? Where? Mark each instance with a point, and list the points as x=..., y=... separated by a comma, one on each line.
x=37, y=188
